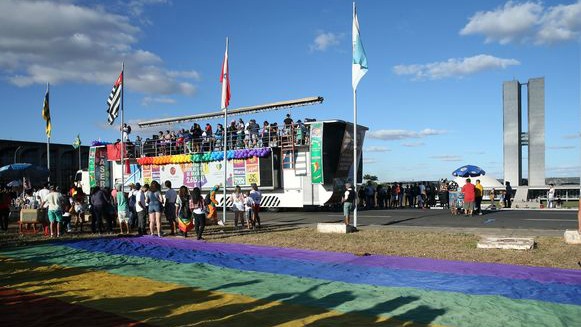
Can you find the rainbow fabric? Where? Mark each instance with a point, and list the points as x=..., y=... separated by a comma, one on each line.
x=175, y=282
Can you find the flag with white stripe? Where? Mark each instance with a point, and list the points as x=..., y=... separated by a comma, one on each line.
x=114, y=100
x=359, y=66
x=225, y=80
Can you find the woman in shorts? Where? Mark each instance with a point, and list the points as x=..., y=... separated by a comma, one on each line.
x=122, y=209
x=153, y=200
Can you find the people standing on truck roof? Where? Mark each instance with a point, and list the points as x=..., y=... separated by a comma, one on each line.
x=219, y=138
x=154, y=201
x=288, y=125
x=170, y=207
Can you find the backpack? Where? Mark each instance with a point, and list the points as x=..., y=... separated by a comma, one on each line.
x=185, y=211
x=351, y=196
x=207, y=199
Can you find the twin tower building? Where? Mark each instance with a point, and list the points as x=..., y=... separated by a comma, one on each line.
x=515, y=138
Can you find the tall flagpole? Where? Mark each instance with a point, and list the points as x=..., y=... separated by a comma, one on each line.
x=122, y=122
x=48, y=136
x=355, y=153
x=359, y=69
x=355, y=137
x=225, y=134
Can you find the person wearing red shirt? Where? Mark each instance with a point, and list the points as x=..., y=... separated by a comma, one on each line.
x=469, y=197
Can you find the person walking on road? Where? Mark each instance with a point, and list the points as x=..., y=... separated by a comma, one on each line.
x=348, y=202
x=507, y=195
x=551, y=196
x=469, y=194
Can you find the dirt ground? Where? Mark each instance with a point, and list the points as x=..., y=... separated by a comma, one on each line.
x=548, y=252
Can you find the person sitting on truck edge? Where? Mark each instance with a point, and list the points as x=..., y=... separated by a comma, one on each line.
x=348, y=202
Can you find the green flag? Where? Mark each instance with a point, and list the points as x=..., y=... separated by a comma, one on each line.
x=77, y=142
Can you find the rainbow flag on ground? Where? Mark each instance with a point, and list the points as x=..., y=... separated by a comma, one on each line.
x=175, y=282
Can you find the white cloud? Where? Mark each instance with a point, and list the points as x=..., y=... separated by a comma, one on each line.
x=146, y=101
x=400, y=134
x=413, y=144
x=324, y=40
x=572, y=136
x=447, y=158
x=564, y=170
x=369, y=161
x=60, y=42
x=455, y=67
x=527, y=22
x=375, y=148
x=561, y=147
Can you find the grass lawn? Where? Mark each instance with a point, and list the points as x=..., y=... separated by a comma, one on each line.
x=549, y=251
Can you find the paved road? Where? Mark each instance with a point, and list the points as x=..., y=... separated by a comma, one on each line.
x=542, y=222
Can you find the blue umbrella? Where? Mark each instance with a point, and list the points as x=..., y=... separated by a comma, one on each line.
x=468, y=171
x=18, y=171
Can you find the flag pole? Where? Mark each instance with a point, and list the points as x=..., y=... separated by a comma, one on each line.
x=48, y=136
x=355, y=144
x=355, y=154
x=122, y=125
x=225, y=143
x=359, y=69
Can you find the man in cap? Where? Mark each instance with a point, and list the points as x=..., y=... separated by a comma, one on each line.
x=348, y=202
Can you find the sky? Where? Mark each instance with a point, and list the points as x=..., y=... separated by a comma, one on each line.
x=432, y=97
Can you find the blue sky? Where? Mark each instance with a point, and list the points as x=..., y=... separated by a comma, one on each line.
x=432, y=97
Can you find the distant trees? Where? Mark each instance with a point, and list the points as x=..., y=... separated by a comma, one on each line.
x=370, y=178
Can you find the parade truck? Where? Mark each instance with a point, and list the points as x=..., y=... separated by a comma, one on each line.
x=289, y=173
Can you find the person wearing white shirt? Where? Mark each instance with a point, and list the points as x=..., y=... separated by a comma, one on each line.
x=140, y=207
x=238, y=206
x=55, y=215
x=551, y=196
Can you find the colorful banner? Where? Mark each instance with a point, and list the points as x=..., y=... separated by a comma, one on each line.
x=98, y=167
x=317, y=153
x=205, y=175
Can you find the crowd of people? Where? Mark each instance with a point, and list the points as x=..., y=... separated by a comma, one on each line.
x=138, y=211
x=238, y=135
x=399, y=195
x=424, y=195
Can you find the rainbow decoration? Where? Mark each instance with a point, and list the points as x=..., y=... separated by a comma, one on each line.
x=175, y=282
x=205, y=157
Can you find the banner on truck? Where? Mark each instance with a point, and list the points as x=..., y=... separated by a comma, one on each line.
x=317, y=153
x=205, y=175
x=98, y=167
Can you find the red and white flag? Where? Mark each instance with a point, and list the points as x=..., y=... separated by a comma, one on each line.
x=225, y=80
